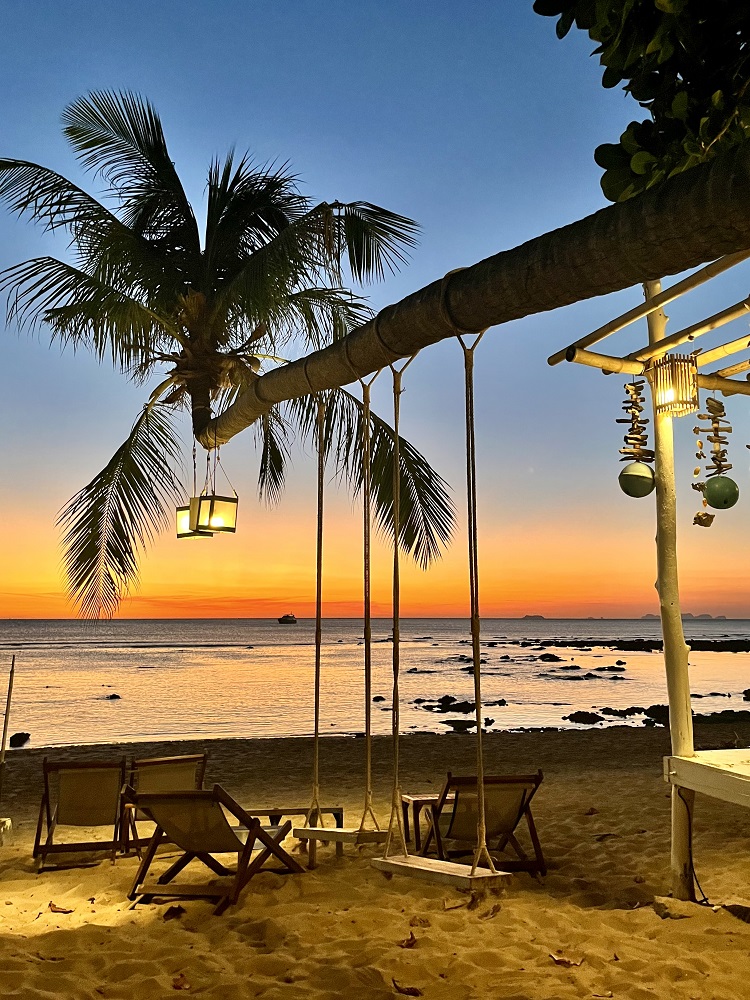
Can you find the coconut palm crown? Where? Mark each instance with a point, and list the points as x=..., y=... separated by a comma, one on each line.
x=210, y=311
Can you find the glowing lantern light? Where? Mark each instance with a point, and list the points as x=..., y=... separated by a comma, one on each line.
x=212, y=513
x=675, y=385
x=183, y=525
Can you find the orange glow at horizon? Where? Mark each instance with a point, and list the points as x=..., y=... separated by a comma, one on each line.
x=555, y=569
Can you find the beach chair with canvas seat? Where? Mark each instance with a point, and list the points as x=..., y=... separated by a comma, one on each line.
x=507, y=800
x=159, y=774
x=197, y=823
x=79, y=795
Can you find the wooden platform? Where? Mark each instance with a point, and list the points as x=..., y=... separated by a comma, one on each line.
x=339, y=835
x=441, y=872
x=722, y=774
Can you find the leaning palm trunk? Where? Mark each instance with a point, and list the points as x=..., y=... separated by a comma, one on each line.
x=693, y=218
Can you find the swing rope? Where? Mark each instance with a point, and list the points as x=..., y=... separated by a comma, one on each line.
x=481, y=853
x=314, y=815
x=366, y=548
x=395, y=823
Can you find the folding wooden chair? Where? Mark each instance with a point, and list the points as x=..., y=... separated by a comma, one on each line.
x=159, y=774
x=84, y=795
x=196, y=822
x=507, y=800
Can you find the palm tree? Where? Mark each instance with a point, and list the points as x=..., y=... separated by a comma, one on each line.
x=692, y=218
x=149, y=292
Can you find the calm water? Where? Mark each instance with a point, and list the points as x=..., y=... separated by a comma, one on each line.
x=247, y=677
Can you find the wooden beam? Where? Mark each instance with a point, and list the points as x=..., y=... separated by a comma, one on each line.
x=722, y=774
x=741, y=366
x=640, y=312
x=730, y=387
x=609, y=365
x=723, y=350
x=337, y=834
x=441, y=872
x=691, y=332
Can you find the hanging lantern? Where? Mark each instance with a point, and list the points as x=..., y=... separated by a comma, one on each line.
x=212, y=513
x=675, y=384
x=183, y=525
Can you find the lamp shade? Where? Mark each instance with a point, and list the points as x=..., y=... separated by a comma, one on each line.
x=183, y=525
x=213, y=513
x=675, y=385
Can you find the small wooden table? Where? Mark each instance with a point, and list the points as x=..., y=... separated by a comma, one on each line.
x=417, y=803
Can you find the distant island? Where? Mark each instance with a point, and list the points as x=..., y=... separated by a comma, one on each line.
x=686, y=614
x=536, y=617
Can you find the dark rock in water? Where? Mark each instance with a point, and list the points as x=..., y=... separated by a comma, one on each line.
x=489, y=722
x=618, y=670
x=446, y=699
x=339, y=640
x=424, y=637
x=718, y=694
x=584, y=718
x=505, y=656
x=623, y=713
x=620, y=663
x=19, y=739
x=659, y=714
x=568, y=666
x=459, y=725
x=500, y=703
x=746, y=694
x=693, y=695
x=419, y=701
x=378, y=697
x=492, y=644
x=146, y=666
x=591, y=677
x=550, y=657
x=617, y=677
x=112, y=697
x=727, y=717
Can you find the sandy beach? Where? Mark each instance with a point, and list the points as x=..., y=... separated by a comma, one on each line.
x=588, y=929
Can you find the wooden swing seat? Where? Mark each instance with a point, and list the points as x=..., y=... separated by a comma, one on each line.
x=339, y=835
x=442, y=872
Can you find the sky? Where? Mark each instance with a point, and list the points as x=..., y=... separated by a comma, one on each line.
x=474, y=120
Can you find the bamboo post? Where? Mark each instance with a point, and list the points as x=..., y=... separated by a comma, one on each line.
x=5, y=726
x=675, y=649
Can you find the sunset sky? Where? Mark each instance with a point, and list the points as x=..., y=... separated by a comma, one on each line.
x=478, y=123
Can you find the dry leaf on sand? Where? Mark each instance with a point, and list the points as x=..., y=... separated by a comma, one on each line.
x=566, y=962
x=492, y=912
x=408, y=942
x=419, y=922
x=54, y=908
x=180, y=982
x=407, y=991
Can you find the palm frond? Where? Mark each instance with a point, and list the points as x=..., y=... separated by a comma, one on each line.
x=375, y=239
x=427, y=513
x=119, y=135
x=83, y=311
x=274, y=438
x=111, y=520
x=320, y=316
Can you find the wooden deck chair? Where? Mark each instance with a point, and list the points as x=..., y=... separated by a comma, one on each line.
x=507, y=798
x=84, y=795
x=196, y=822
x=159, y=774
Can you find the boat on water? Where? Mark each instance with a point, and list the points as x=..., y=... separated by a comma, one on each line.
x=288, y=619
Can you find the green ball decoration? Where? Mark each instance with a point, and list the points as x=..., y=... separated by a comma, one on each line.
x=721, y=492
x=637, y=479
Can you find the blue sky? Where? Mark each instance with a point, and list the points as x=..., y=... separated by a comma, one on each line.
x=472, y=119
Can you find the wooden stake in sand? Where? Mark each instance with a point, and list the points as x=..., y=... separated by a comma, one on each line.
x=5, y=823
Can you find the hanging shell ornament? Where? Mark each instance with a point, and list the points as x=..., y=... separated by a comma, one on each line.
x=719, y=491
x=637, y=478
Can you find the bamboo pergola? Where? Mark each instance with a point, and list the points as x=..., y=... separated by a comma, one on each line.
x=721, y=774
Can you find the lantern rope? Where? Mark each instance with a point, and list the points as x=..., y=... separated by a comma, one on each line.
x=314, y=815
x=368, y=809
x=395, y=823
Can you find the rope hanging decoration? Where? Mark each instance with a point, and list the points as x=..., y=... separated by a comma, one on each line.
x=637, y=478
x=481, y=853
x=395, y=823
x=314, y=815
x=368, y=810
x=719, y=491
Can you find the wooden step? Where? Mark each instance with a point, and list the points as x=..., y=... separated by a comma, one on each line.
x=339, y=835
x=441, y=872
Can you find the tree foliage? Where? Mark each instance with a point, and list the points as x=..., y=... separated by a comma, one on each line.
x=687, y=62
x=206, y=307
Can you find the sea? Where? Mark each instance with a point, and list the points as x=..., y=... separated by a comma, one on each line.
x=82, y=682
